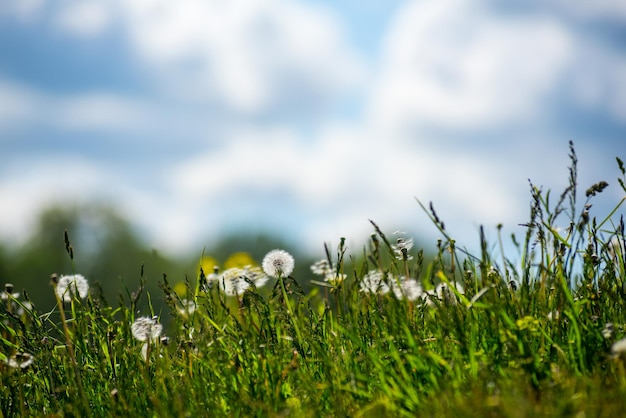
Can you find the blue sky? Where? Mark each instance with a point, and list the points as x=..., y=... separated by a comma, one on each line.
x=302, y=118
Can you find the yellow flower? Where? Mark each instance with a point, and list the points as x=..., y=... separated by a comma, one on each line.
x=239, y=260
x=180, y=289
x=207, y=264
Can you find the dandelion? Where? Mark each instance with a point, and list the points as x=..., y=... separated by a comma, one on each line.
x=553, y=315
x=145, y=349
x=9, y=299
x=69, y=287
x=322, y=268
x=616, y=248
x=326, y=269
x=278, y=263
x=335, y=278
x=373, y=283
x=619, y=347
x=20, y=361
x=146, y=328
x=402, y=247
x=445, y=294
x=213, y=277
x=408, y=289
x=256, y=275
x=8, y=294
x=233, y=282
x=607, y=331
x=187, y=307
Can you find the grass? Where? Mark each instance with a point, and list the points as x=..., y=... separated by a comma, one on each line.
x=479, y=336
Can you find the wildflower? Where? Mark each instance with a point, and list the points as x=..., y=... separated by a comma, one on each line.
x=616, y=248
x=68, y=287
x=408, y=289
x=607, y=331
x=322, y=268
x=445, y=294
x=11, y=303
x=335, y=278
x=278, y=263
x=256, y=275
x=619, y=347
x=213, y=277
x=8, y=294
x=402, y=246
x=187, y=307
x=20, y=360
x=373, y=283
x=240, y=259
x=146, y=328
x=326, y=269
x=233, y=282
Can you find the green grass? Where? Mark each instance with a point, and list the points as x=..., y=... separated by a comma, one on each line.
x=527, y=336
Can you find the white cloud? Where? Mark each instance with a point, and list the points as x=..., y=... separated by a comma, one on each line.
x=22, y=106
x=599, y=80
x=459, y=65
x=24, y=10
x=346, y=177
x=84, y=17
x=597, y=9
x=248, y=55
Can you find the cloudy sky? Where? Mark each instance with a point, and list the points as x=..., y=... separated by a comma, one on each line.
x=305, y=118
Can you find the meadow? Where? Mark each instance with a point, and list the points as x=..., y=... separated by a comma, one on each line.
x=386, y=330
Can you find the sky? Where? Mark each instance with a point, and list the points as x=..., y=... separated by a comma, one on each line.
x=305, y=119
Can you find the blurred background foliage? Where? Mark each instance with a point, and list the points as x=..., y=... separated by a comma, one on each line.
x=107, y=250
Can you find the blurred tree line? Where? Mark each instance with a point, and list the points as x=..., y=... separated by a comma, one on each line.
x=110, y=254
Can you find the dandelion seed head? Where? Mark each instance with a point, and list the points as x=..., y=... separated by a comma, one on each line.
x=187, y=307
x=8, y=294
x=232, y=281
x=403, y=245
x=373, y=283
x=335, y=278
x=619, y=347
x=256, y=275
x=408, y=289
x=68, y=287
x=616, y=248
x=322, y=268
x=445, y=294
x=278, y=263
x=146, y=328
x=20, y=360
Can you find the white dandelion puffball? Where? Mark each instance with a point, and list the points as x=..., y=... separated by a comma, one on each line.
x=146, y=328
x=322, y=268
x=68, y=286
x=20, y=360
x=187, y=307
x=373, y=282
x=278, y=263
x=619, y=347
x=256, y=275
x=445, y=294
x=232, y=282
x=408, y=289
